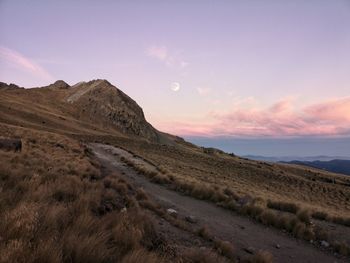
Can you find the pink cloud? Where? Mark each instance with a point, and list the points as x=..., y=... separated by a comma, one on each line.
x=20, y=61
x=159, y=52
x=328, y=118
x=170, y=59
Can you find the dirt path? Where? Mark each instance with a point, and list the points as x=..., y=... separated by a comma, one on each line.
x=224, y=224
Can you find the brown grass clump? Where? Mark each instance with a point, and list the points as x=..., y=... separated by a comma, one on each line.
x=269, y=218
x=261, y=257
x=252, y=211
x=345, y=221
x=320, y=215
x=205, y=233
x=225, y=248
x=141, y=255
x=200, y=256
x=283, y=206
x=342, y=248
x=304, y=216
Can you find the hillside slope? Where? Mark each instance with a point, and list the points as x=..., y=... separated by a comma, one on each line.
x=94, y=107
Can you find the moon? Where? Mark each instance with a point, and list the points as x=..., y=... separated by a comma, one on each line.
x=175, y=86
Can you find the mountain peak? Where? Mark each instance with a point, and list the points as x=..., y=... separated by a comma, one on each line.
x=102, y=102
x=59, y=84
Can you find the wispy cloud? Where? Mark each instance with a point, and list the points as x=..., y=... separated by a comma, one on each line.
x=203, y=91
x=282, y=119
x=22, y=62
x=170, y=59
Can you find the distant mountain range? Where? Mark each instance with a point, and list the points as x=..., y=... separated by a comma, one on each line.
x=323, y=158
x=335, y=166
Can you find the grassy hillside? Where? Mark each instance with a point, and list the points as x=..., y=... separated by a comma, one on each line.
x=60, y=205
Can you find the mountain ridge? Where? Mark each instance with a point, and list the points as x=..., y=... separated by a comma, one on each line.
x=95, y=103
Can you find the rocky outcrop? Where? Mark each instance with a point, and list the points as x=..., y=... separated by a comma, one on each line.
x=5, y=86
x=100, y=101
x=59, y=84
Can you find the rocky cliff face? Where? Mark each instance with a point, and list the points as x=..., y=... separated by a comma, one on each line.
x=101, y=102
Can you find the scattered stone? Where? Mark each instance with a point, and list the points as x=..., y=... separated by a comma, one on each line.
x=249, y=250
x=191, y=219
x=123, y=210
x=202, y=248
x=324, y=243
x=278, y=246
x=172, y=212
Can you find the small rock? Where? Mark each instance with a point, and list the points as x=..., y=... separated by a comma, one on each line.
x=324, y=243
x=123, y=210
x=171, y=212
x=278, y=246
x=249, y=250
x=191, y=219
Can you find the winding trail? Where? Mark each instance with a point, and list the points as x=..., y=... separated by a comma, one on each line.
x=226, y=225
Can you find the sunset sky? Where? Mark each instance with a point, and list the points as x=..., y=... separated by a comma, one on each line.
x=257, y=69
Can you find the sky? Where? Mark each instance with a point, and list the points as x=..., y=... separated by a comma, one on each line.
x=240, y=69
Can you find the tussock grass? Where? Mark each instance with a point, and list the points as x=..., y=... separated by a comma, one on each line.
x=320, y=215
x=283, y=206
x=225, y=248
x=200, y=256
x=57, y=208
x=304, y=216
x=261, y=257
x=342, y=248
x=345, y=221
x=296, y=222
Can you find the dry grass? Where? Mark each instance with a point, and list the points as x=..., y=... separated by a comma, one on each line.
x=289, y=188
x=283, y=206
x=261, y=257
x=57, y=208
x=296, y=221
